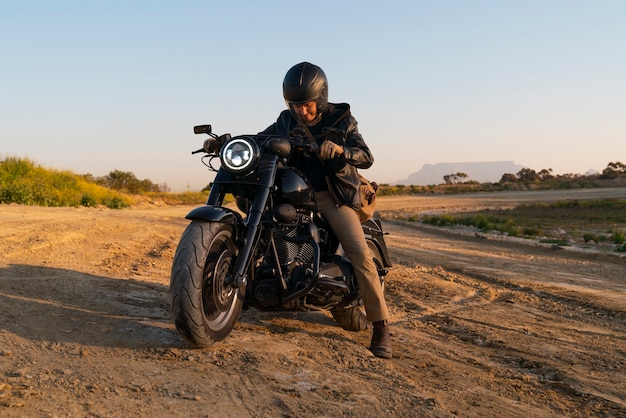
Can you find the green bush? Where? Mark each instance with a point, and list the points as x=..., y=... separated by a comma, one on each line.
x=26, y=183
x=588, y=236
x=440, y=220
x=88, y=201
x=618, y=237
x=532, y=231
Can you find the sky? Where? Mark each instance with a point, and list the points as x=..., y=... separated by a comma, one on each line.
x=94, y=86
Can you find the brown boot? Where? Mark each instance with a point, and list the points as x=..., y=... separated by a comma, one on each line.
x=381, y=340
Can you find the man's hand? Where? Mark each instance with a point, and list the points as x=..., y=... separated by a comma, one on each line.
x=329, y=150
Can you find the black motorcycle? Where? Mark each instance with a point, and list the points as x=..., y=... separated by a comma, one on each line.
x=269, y=250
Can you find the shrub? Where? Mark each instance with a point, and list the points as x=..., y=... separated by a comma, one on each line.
x=88, y=201
x=440, y=220
x=116, y=202
x=618, y=237
x=23, y=182
x=532, y=231
x=588, y=236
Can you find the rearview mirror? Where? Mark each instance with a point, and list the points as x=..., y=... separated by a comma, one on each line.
x=202, y=129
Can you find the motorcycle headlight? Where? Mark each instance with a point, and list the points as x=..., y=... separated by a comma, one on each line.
x=239, y=155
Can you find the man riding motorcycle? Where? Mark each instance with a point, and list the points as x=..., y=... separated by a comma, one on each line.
x=333, y=175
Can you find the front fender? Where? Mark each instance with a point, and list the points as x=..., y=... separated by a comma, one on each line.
x=210, y=213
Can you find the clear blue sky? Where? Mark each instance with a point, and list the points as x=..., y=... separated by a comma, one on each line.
x=93, y=86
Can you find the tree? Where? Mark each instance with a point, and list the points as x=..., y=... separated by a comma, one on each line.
x=127, y=181
x=613, y=170
x=454, y=178
x=545, y=174
x=508, y=178
x=528, y=175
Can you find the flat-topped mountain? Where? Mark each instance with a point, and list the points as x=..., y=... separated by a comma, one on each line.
x=482, y=172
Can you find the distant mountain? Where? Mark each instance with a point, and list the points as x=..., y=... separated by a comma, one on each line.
x=483, y=172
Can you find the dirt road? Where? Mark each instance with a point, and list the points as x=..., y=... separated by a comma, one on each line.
x=481, y=327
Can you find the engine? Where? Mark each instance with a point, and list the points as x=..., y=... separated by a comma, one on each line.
x=295, y=241
x=292, y=284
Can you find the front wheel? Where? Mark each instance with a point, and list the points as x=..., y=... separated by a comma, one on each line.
x=204, y=308
x=355, y=317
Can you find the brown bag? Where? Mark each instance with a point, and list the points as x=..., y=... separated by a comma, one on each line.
x=368, y=199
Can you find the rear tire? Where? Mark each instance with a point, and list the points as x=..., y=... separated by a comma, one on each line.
x=355, y=318
x=204, y=309
x=351, y=319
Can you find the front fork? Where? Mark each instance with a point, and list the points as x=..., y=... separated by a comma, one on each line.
x=267, y=168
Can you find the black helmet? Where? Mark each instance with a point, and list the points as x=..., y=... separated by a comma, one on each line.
x=306, y=82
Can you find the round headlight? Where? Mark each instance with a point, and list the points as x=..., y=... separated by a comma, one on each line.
x=238, y=155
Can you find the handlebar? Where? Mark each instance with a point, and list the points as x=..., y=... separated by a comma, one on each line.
x=298, y=138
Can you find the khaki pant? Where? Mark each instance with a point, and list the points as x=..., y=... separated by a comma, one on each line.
x=345, y=224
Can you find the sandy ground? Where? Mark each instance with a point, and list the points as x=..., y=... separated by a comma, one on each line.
x=481, y=326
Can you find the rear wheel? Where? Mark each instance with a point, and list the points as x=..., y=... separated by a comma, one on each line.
x=204, y=308
x=355, y=317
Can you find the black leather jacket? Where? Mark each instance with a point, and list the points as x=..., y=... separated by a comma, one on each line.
x=341, y=173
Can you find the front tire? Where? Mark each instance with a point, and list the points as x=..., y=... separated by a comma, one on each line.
x=205, y=310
